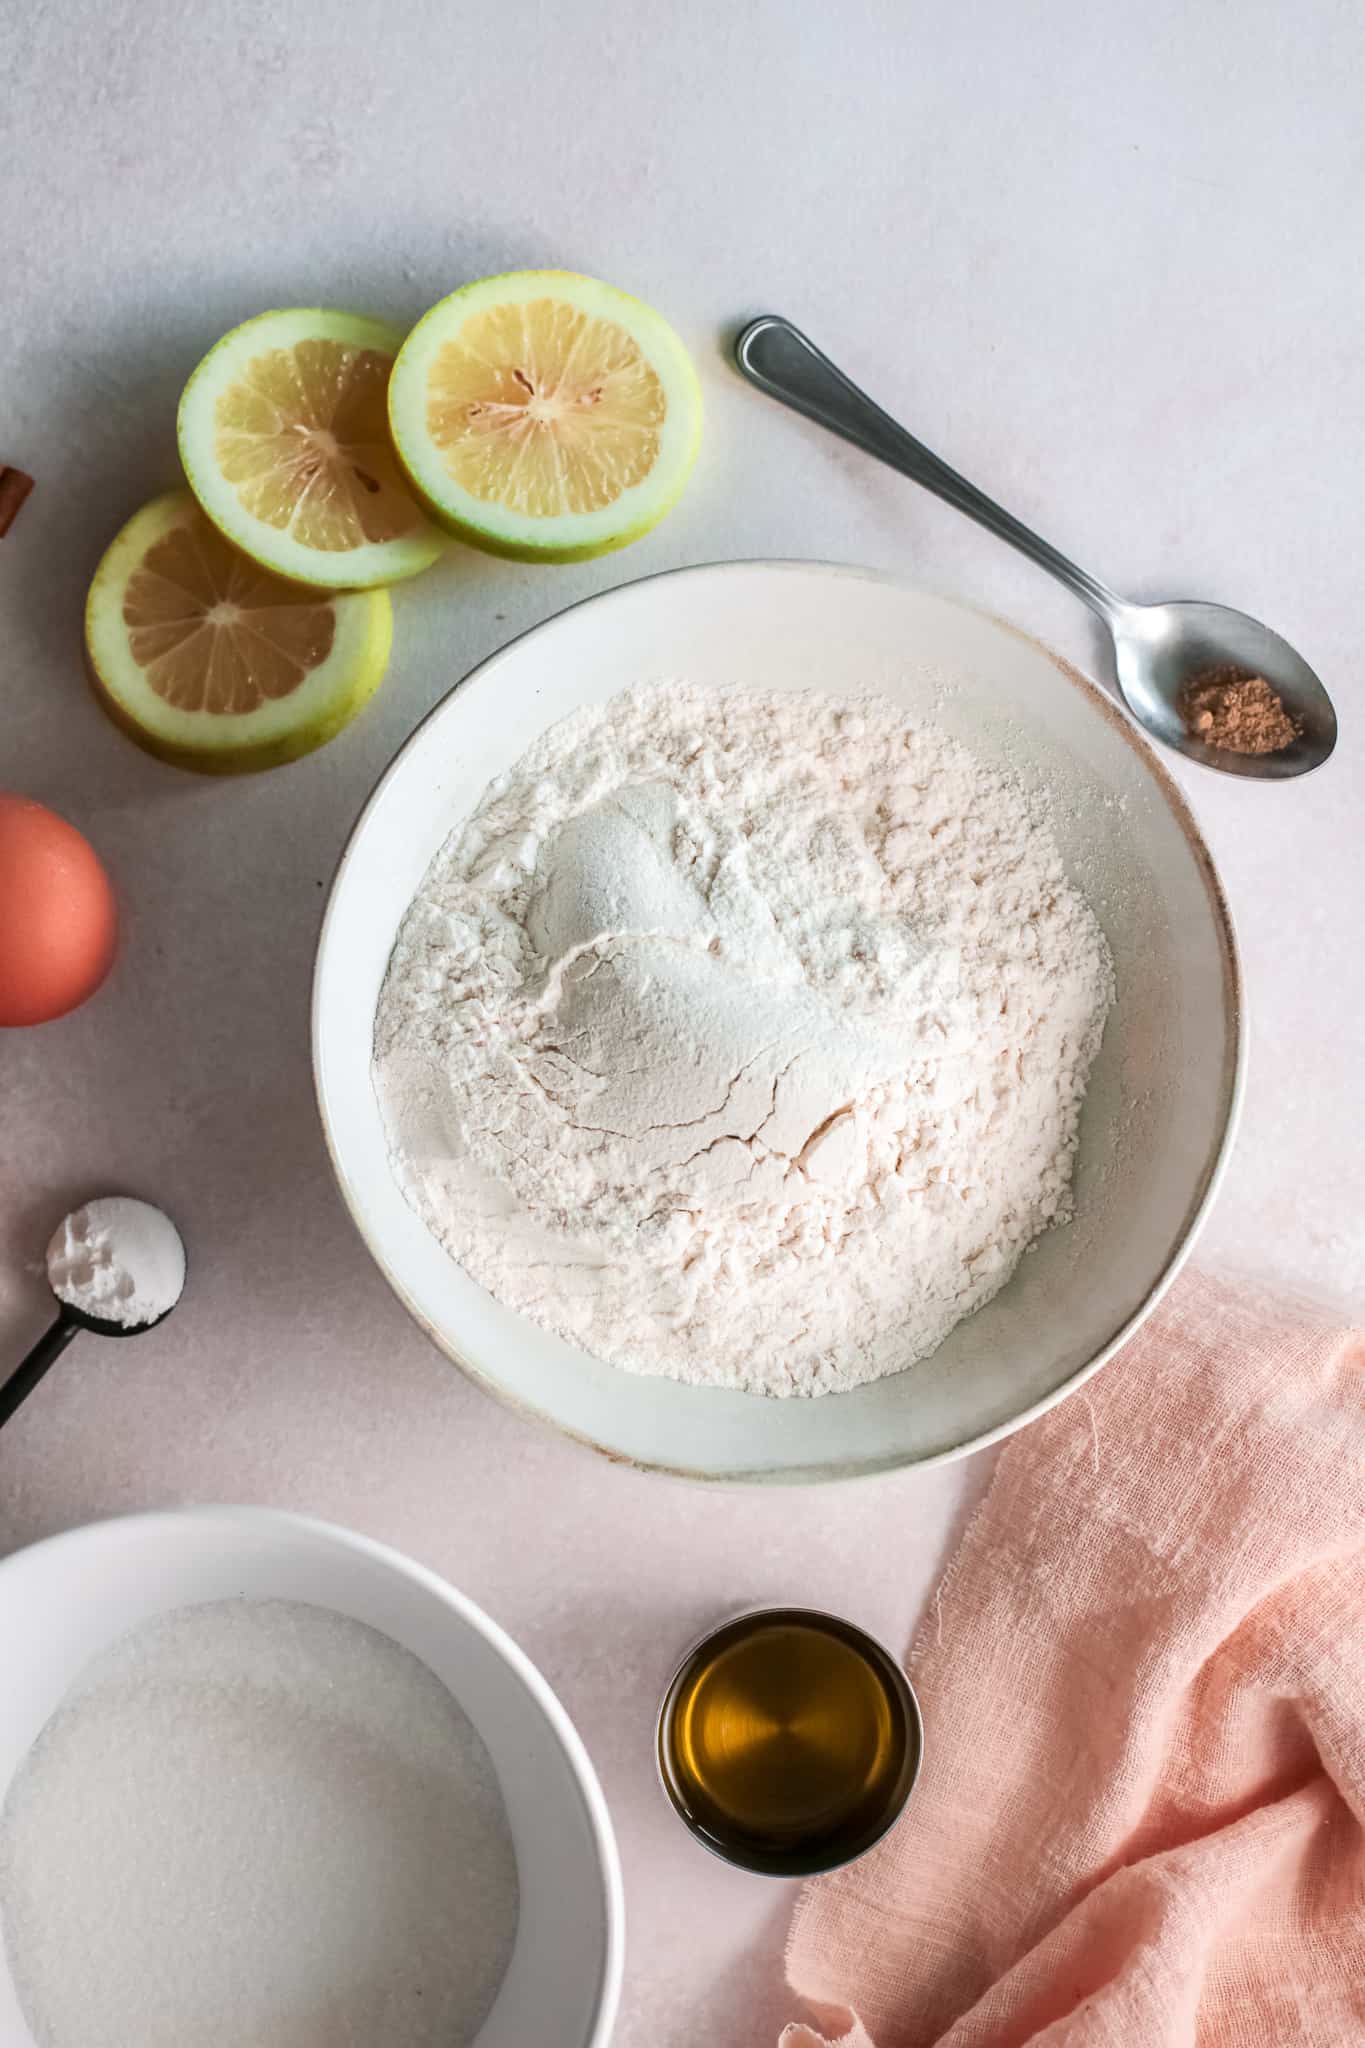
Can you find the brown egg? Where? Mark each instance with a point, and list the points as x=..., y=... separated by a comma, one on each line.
x=58, y=924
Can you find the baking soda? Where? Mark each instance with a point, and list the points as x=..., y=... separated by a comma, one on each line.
x=118, y=1260
x=256, y=1824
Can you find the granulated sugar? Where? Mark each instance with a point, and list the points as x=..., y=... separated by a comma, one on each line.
x=742, y=1037
x=257, y=1825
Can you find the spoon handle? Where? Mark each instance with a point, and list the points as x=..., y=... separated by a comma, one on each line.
x=45, y=1352
x=777, y=357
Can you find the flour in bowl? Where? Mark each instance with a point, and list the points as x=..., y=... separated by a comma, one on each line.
x=743, y=1037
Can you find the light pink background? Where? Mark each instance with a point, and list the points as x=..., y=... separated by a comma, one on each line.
x=1105, y=259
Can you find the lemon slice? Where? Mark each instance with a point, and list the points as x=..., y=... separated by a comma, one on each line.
x=285, y=441
x=209, y=661
x=544, y=415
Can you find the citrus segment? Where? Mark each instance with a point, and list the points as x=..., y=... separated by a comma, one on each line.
x=285, y=441
x=520, y=424
x=212, y=632
x=545, y=415
x=209, y=661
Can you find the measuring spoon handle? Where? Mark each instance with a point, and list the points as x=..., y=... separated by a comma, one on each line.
x=778, y=359
x=45, y=1353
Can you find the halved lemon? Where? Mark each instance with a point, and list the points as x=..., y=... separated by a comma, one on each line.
x=285, y=441
x=209, y=661
x=544, y=415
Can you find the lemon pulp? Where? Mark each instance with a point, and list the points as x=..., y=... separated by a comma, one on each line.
x=212, y=632
x=542, y=408
x=302, y=437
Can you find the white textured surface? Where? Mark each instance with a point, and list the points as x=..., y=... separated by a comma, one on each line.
x=1105, y=259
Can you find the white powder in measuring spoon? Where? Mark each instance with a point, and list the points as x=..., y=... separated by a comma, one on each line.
x=119, y=1260
x=257, y=1824
x=743, y=1037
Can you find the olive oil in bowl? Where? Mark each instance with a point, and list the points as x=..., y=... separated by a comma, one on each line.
x=789, y=1741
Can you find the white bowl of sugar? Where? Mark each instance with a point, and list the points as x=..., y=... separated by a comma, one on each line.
x=262, y=1779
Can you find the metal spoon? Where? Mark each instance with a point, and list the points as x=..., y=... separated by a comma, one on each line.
x=71, y=1317
x=1158, y=648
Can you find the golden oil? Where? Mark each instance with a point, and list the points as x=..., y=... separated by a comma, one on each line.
x=789, y=1741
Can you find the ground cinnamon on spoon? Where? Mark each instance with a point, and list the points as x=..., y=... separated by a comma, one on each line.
x=1241, y=713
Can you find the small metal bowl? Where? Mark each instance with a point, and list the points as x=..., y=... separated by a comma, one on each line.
x=779, y=1747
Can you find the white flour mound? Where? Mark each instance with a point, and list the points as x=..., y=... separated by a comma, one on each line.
x=743, y=1038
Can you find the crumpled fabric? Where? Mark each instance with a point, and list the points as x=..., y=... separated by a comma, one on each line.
x=1141, y=1817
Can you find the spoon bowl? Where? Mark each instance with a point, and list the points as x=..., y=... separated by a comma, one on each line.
x=1158, y=648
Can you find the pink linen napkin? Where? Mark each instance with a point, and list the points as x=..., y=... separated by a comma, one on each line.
x=1141, y=1819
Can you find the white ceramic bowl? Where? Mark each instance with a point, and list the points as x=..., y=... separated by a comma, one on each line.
x=65, y=1600
x=1163, y=1096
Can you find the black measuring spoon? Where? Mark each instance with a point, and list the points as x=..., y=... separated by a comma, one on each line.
x=70, y=1320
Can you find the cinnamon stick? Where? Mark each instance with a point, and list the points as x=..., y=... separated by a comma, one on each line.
x=15, y=486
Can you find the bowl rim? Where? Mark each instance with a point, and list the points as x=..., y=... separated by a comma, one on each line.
x=1235, y=1045
x=336, y=1536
